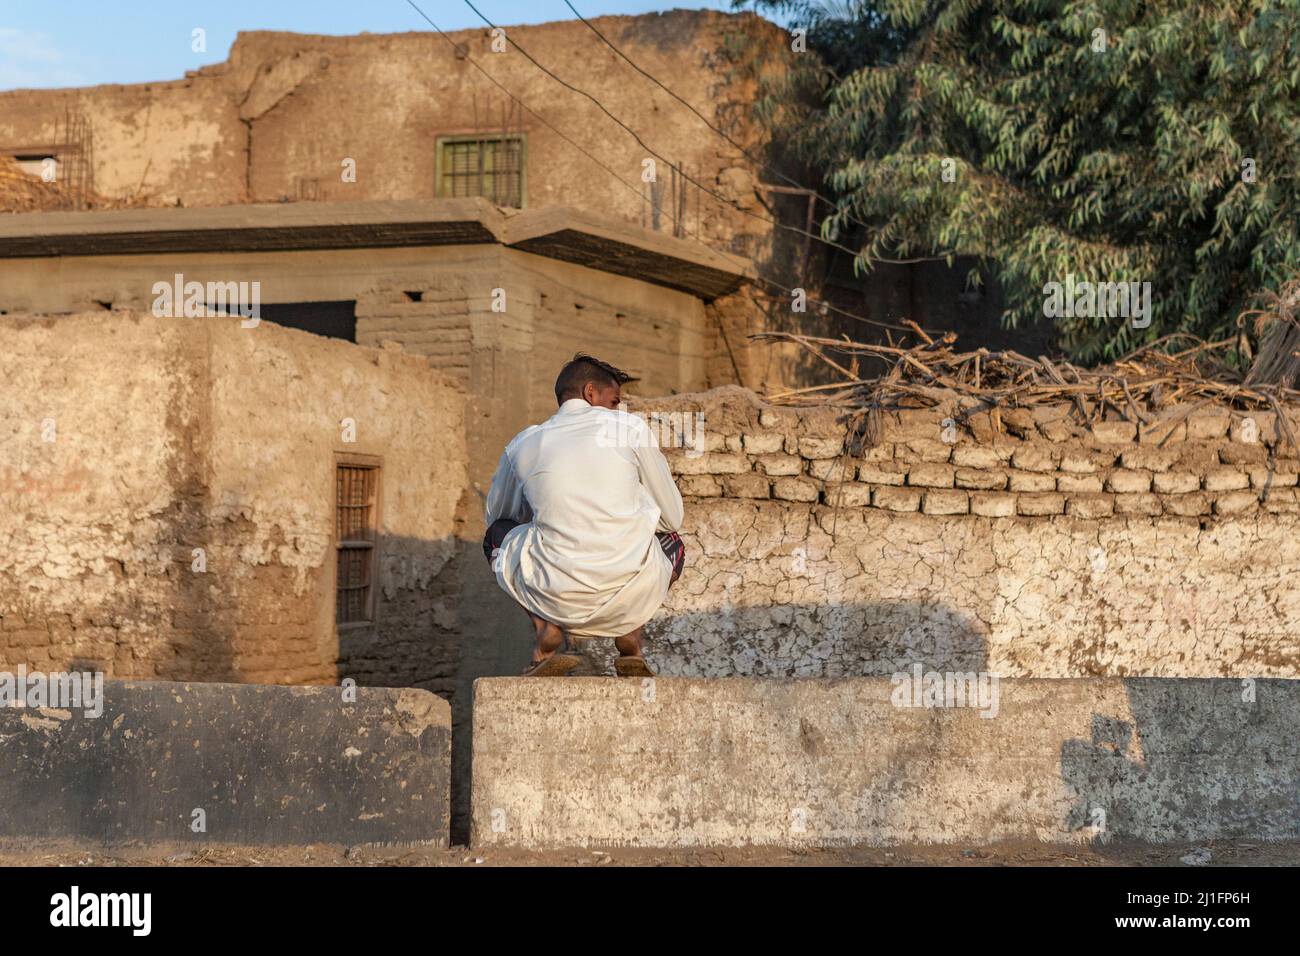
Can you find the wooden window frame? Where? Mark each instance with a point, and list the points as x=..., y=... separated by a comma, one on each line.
x=376, y=464
x=441, y=141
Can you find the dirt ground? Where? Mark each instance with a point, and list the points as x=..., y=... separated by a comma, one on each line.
x=1222, y=853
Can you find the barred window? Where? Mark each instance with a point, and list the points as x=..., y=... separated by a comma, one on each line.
x=356, y=498
x=474, y=166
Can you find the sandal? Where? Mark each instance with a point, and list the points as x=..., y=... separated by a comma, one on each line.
x=632, y=667
x=557, y=665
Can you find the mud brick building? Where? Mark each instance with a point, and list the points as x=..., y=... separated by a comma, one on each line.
x=182, y=501
x=293, y=118
x=132, y=438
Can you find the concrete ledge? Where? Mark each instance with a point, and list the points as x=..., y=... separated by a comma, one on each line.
x=556, y=232
x=265, y=764
x=685, y=762
x=597, y=242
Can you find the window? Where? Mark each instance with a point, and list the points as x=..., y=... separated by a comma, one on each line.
x=478, y=166
x=356, y=521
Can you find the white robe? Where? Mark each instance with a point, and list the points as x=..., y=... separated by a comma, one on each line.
x=591, y=488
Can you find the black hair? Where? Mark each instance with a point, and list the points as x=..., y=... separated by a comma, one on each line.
x=580, y=370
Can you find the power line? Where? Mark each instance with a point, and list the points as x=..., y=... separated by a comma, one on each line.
x=635, y=191
x=524, y=105
x=644, y=145
x=704, y=119
x=744, y=152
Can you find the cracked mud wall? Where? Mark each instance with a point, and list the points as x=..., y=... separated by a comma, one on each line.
x=780, y=589
x=176, y=434
x=1092, y=552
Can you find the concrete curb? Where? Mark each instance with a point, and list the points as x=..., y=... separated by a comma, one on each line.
x=687, y=762
x=263, y=765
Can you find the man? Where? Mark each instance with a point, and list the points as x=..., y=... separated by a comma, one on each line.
x=582, y=520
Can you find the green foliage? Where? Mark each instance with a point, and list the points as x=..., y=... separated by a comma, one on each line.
x=1114, y=160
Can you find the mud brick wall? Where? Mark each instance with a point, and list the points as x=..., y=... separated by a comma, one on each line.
x=1034, y=546
x=127, y=442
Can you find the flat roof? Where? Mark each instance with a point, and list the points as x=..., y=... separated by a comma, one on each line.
x=556, y=232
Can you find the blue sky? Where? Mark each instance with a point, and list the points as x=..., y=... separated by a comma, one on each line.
x=83, y=42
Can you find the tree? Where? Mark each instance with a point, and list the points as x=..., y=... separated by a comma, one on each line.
x=1104, y=141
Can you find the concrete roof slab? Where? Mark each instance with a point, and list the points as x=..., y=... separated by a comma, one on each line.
x=261, y=226
x=599, y=243
x=554, y=232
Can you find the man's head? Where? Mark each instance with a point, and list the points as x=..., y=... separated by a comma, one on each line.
x=594, y=381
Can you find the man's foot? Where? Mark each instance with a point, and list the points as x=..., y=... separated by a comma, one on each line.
x=632, y=666
x=556, y=665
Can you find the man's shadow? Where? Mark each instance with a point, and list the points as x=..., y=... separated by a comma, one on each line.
x=1186, y=760
x=803, y=640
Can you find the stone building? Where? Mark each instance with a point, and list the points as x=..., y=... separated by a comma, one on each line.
x=289, y=116
x=419, y=116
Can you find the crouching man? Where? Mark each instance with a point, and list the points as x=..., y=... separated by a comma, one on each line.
x=582, y=521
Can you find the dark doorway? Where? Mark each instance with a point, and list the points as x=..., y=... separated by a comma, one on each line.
x=335, y=320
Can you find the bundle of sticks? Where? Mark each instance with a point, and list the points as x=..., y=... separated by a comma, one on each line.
x=1141, y=387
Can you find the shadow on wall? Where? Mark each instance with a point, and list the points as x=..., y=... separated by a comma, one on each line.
x=1167, y=759
x=415, y=638
x=442, y=622
x=1201, y=759
x=813, y=640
